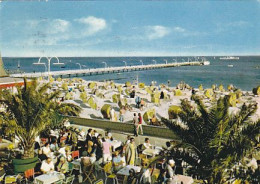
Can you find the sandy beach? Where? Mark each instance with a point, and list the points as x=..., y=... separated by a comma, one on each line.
x=103, y=92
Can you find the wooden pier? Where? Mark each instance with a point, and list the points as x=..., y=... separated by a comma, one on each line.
x=97, y=71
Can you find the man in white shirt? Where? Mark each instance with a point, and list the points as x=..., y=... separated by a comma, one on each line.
x=46, y=149
x=146, y=143
x=47, y=165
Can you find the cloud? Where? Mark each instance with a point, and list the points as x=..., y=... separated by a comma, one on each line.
x=156, y=32
x=179, y=29
x=58, y=26
x=94, y=25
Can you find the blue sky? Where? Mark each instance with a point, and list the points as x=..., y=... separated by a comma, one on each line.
x=130, y=28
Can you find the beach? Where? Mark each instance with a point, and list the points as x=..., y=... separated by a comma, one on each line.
x=102, y=93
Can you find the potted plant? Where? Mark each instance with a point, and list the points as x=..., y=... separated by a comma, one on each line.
x=28, y=112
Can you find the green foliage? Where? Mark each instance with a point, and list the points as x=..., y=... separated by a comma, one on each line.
x=216, y=140
x=105, y=110
x=32, y=110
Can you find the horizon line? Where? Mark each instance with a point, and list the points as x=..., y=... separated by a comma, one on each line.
x=136, y=56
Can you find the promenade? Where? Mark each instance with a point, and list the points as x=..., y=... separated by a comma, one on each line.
x=98, y=71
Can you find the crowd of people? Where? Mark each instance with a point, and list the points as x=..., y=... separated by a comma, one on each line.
x=55, y=151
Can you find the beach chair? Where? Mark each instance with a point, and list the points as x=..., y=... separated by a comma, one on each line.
x=88, y=173
x=108, y=173
x=75, y=154
x=29, y=175
x=69, y=180
x=100, y=181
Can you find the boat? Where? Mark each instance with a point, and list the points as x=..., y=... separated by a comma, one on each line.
x=205, y=62
x=230, y=65
x=229, y=58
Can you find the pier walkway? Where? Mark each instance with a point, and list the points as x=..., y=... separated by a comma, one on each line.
x=111, y=126
x=97, y=71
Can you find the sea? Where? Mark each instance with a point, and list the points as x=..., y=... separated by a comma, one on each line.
x=243, y=73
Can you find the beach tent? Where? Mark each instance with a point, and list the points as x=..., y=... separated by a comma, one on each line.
x=141, y=85
x=148, y=115
x=209, y=93
x=149, y=90
x=83, y=96
x=173, y=111
x=119, y=88
x=105, y=111
x=92, y=85
x=256, y=90
x=155, y=97
x=64, y=86
x=128, y=84
x=115, y=98
x=92, y=103
x=201, y=87
x=177, y=92
x=231, y=99
x=221, y=88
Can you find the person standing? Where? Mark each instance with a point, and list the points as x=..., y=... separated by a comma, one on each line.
x=121, y=114
x=140, y=122
x=135, y=121
x=131, y=152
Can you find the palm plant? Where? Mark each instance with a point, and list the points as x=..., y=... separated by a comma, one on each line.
x=213, y=140
x=31, y=110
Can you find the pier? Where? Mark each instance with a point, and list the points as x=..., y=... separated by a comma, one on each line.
x=98, y=71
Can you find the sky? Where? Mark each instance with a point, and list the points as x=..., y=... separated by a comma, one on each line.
x=129, y=28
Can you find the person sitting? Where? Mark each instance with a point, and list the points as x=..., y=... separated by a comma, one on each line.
x=92, y=158
x=41, y=156
x=47, y=166
x=63, y=166
x=147, y=144
x=154, y=121
x=46, y=149
x=117, y=162
x=54, y=146
x=68, y=156
x=145, y=175
x=131, y=179
x=169, y=170
x=62, y=150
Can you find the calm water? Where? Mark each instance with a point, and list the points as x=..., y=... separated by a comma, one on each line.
x=244, y=74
